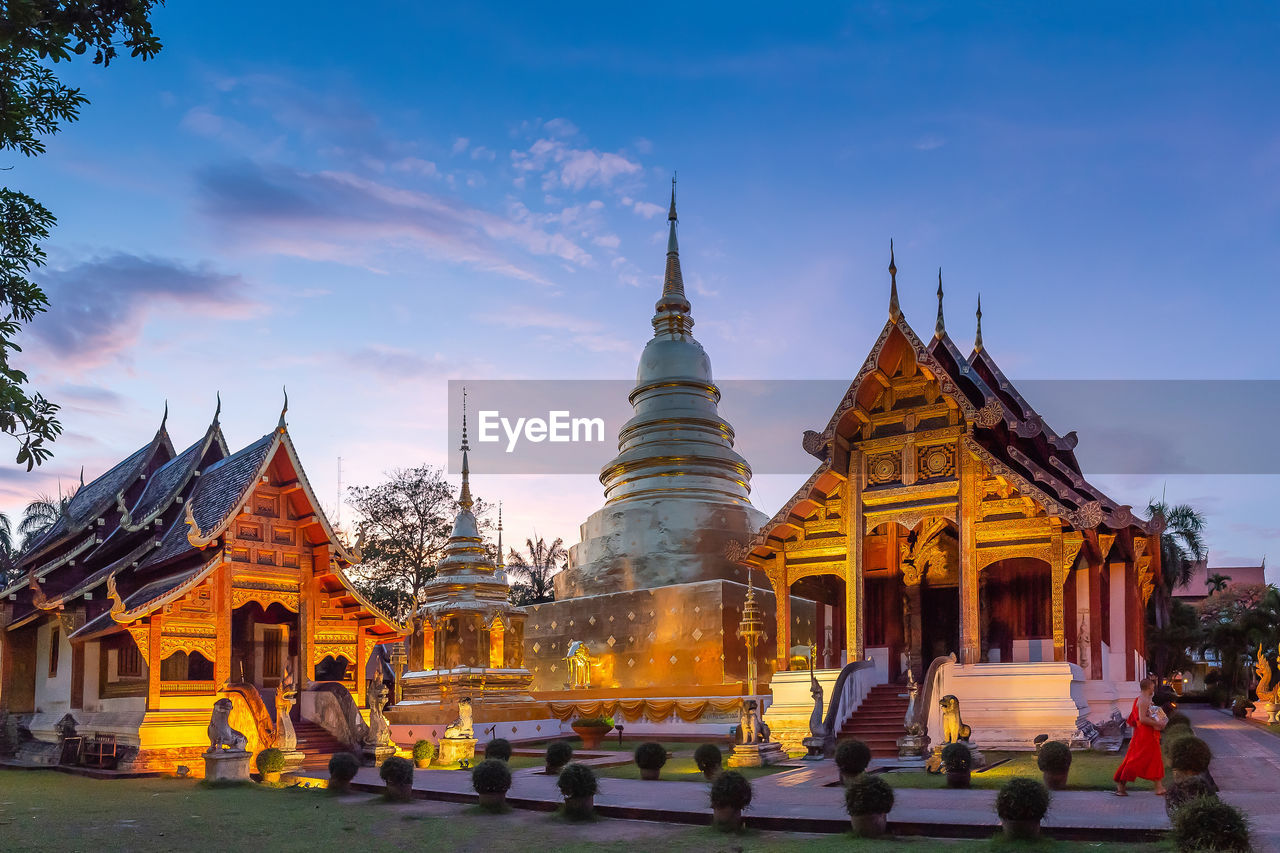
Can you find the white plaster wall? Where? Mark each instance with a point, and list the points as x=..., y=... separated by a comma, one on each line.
x=53, y=695
x=1119, y=655
x=1008, y=704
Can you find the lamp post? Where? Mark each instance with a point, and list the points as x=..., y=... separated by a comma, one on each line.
x=750, y=629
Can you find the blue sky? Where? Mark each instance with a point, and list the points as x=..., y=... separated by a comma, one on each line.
x=363, y=202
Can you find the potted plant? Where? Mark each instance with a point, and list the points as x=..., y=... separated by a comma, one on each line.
x=397, y=773
x=492, y=779
x=592, y=730
x=499, y=748
x=1054, y=762
x=423, y=752
x=1189, y=756
x=730, y=794
x=868, y=799
x=1021, y=805
x=343, y=767
x=650, y=757
x=559, y=753
x=1241, y=707
x=1210, y=824
x=852, y=757
x=709, y=760
x=578, y=786
x=957, y=761
x=270, y=764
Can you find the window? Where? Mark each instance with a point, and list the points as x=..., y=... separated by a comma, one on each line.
x=55, y=645
x=180, y=666
x=271, y=643
x=130, y=661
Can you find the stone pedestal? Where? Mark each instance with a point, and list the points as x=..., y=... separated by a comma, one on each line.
x=789, y=714
x=455, y=749
x=375, y=755
x=226, y=765
x=818, y=748
x=756, y=754
x=912, y=746
x=292, y=759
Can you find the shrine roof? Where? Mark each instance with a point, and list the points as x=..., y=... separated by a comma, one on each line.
x=151, y=593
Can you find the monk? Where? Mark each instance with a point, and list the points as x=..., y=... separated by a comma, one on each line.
x=1143, y=760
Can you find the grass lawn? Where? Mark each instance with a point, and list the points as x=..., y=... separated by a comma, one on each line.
x=677, y=747
x=1090, y=771
x=515, y=762
x=43, y=810
x=682, y=769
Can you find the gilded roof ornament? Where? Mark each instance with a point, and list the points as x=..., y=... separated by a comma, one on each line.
x=284, y=410
x=671, y=314
x=895, y=312
x=501, y=563
x=464, y=497
x=217, y=412
x=940, y=328
x=977, y=340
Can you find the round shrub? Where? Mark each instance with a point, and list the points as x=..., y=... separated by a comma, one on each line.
x=559, y=753
x=1172, y=735
x=1054, y=757
x=651, y=756
x=1022, y=799
x=270, y=760
x=956, y=758
x=731, y=790
x=499, y=748
x=343, y=767
x=1177, y=718
x=1183, y=791
x=397, y=771
x=601, y=722
x=708, y=757
x=1210, y=824
x=578, y=780
x=1190, y=755
x=491, y=776
x=869, y=794
x=424, y=750
x=852, y=757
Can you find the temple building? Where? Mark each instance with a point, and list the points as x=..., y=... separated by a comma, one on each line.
x=173, y=580
x=650, y=602
x=945, y=517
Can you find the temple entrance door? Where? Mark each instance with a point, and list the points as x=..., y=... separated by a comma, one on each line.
x=263, y=643
x=826, y=628
x=939, y=622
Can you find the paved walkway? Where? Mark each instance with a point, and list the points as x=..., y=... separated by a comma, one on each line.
x=1246, y=766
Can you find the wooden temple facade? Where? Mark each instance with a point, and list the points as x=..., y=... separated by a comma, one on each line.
x=172, y=580
x=945, y=516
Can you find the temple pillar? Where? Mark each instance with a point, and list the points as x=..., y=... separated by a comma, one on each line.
x=222, y=626
x=782, y=598
x=855, y=542
x=153, y=665
x=914, y=638
x=361, y=665
x=1133, y=617
x=1057, y=579
x=970, y=641
x=308, y=603
x=1094, y=612
x=1070, y=618
x=984, y=619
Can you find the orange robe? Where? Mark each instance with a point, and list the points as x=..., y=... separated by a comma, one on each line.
x=1143, y=760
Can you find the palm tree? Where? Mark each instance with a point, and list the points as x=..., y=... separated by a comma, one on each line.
x=1181, y=547
x=535, y=571
x=1216, y=582
x=42, y=513
x=8, y=554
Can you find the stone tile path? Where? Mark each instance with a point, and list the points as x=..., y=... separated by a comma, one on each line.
x=1246, y=766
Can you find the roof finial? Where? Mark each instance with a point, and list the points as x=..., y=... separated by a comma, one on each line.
x=672, y=311
x=165, y=418
x=977, y=340
x=895, y=312
x=217, y=413
x=501, y=563
x=82, y=476
x=671, y=215
x=283, y=409
x=940, y=328
x=464, y=497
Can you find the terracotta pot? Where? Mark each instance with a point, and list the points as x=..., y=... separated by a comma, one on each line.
x=554, y=771
x=493, y=801
x=958, y=778
x=403, y=793
x=650, y=774
x=578, y=808
x=726, y=818
x=591, y=735
x=869, y=825
x=422, y=763
x=1056, y=780
x=271, y=777
x=1021, y=830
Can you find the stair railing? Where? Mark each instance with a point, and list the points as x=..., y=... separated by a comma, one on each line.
x=852, y=686
x=257, y=709
x=917, y=717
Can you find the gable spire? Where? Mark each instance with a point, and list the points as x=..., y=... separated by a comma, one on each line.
x=977, y=339
x=940, y=328
x=895, y=312
x=464, y=497
x=671, y=314
x=284, y=410
x=501, y=562
x=217, y=412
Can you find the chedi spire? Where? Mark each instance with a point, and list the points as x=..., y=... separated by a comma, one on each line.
x=671, y=313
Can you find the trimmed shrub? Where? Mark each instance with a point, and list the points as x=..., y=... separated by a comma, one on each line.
x=1183, y=791
x=708, y=757
x=578, y=780
x=1022, y=799
x=1177, y=718
x=1190, y=755
x=852, y=757
x=343, y=767
x=491, y=776
x=651, y=756
x=868, y=794
x=424, y=750
x=270, y=760
x=397, y=771
x=559, y=753
x=606, y=722
x=499, y=748
x=1054, y=757
x=1208, y=823
x=956, y=758
x=731, y=790
x=1172, y=735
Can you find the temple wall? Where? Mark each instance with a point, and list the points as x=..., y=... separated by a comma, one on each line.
x=1009, y=704
x=53, y=695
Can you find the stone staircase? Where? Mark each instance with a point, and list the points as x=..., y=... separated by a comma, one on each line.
x=878, y=720
x=316, y=745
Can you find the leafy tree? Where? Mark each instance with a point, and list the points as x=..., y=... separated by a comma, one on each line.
x=534, y=570
x=1216, y=582
x=1169, y=648
x=1181, y=547
x=1234, y=620
x=35, y=104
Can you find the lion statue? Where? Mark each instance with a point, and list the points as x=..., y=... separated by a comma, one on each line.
x=750, y=727
x=461, y=728
x=953, y=728
x=221, y=735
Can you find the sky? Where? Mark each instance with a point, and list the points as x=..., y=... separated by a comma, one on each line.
x=363, y=202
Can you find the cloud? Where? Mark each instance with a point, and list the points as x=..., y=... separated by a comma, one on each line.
x=394, y=362
x=929, y=142
x=561, y=127
x=98, y=308
x=460, y=144
x=573, y=168
x=557, y=328
x=417, y=166
x=89, y=397
x=648, y=209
